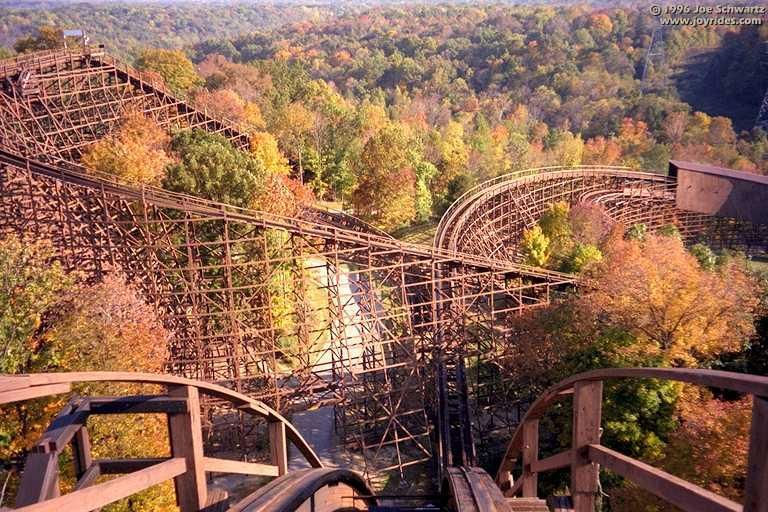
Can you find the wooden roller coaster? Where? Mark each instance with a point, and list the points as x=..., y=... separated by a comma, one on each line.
x=410, y=345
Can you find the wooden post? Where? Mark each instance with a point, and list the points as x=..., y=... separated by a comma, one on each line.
x=587, y=406
x=278, y=446
x=756, y=487
x=81, y=449
x=185, y=431
x=530, y=455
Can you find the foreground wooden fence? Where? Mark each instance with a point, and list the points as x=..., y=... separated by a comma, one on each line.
x=586, y=454
x=187, y=465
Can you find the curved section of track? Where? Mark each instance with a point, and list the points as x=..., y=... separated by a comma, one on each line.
x=289, y=492
x=490, y=219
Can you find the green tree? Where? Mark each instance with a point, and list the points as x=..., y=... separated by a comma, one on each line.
x=30, y=286
x=637, y=232
x=582, y=257
x=536, y=246
x=210, y=167
x=386, y=184
x=48, y=37
x=175, y=68
x=425, y=172
x=705, y=256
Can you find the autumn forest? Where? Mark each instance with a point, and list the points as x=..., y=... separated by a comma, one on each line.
x=390, y=113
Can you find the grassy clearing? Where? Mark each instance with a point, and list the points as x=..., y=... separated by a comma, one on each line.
x=417, y=234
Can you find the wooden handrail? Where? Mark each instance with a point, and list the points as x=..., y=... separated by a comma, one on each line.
x=586, y=453
x=187, y=465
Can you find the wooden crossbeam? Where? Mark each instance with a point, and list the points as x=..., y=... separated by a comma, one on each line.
x=97, y=496
x=139, y=404
x=687, y=496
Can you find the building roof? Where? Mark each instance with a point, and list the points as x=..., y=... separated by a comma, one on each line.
x=674, y=165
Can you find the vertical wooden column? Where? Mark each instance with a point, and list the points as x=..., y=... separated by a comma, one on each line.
x=186, y=434
x=756, y=487
x=81, y=449
x=587, y=407
x=278, y=446
x=530, y=455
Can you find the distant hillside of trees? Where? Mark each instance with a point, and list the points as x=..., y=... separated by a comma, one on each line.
x=395, y=111
x=728, y=80
x=126, y=27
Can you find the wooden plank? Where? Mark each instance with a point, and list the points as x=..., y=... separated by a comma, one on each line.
x=123, y=466
x=278, y=446
x=213, y=465
x=61, y=431
x=186, y=435
x=89, y=477
x=19, y=395
x=741, y=382
x=676, y=491
x=38, y=479
x=530, y=456
x=121, y=487
x=81, y=451
x=138, y=404
x=561, y=460
x=756, y=487
x=11, y=382
x=587, y=407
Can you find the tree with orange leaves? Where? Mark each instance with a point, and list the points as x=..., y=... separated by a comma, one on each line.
x=676, y=310
x=228, y=104
x=134, y=154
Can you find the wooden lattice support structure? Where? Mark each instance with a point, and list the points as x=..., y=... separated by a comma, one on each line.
x=405, y=341
x=290, y=312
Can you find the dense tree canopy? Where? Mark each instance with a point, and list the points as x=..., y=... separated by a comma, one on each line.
x=176, y=70
x=53, y=321
x=136, y=153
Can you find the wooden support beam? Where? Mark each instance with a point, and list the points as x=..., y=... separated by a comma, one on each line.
x=19, y=395
x=560, y=460
x=587, y=407
x=278, y=446
x=185, y=431
x=213, y=465
x=61, y=431
x=39, y=478
x=81, y=451
x=139, y=404
x=674, y=490
x=89, y=477
x=515, y=488
x=756, y=487
x=97, y=496
x=124, y=466
x=530, y=456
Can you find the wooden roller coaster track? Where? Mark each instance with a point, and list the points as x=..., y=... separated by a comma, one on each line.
x=490, y=218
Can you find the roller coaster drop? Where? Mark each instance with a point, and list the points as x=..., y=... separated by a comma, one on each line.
x=410, y=344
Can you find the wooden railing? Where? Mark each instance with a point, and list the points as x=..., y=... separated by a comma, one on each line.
x=187, y=465
x=586, y=454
